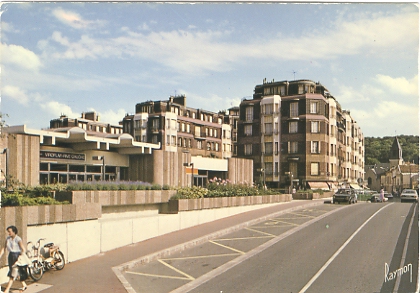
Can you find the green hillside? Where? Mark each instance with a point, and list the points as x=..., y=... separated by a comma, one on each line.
x=377, y=148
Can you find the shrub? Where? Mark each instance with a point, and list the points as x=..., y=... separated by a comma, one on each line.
x=190, y=193
x=18, y=199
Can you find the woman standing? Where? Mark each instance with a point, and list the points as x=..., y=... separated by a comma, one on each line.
x=15, y=247
x=382, y=195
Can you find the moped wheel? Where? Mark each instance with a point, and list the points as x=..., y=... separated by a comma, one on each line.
x=35, y=270
x=59, y=260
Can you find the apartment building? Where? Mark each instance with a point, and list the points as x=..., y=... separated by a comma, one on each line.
x=297, y=135
x=201, y=140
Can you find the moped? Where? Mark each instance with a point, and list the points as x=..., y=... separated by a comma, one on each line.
x=44, y=259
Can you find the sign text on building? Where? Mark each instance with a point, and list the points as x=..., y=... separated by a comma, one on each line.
x=65, y=156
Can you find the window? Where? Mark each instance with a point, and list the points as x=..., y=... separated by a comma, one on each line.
x=276, y=148
x=199, y=145
x=168, y=139
x=314, y=169
x=315, y=147
x=282, y=90
x=268, y=148
x=248, y=130
x=208, y=146
x=249, y=114
x=197, y=131
x=155, y=124
x=268, y=128
x=294, y=109
x=215, y=133
x=268, y=167
x=293, y=127
x=179, y=141
x=314, y=108
x=293, y=147
x=300, y=89
x=173, y=140
x=268, y=109
x=188, y=128
x=248, y=149
x=216, y=146
x=315, y=126
x=155, y=139
x=276, y=168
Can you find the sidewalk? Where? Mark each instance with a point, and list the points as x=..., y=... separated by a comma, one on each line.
x=95, y=274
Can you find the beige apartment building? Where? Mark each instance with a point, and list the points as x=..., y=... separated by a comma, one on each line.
x=297, y=135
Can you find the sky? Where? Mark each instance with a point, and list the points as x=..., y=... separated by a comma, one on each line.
x=68, y=58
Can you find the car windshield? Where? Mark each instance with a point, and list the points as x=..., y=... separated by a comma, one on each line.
x=409, y=191
x=343, y=191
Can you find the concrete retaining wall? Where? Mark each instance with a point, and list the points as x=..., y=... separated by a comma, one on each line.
x=85, y=229
x=116, y=197
x=220, y=202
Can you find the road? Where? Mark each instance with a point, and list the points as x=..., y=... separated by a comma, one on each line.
x=327, y=248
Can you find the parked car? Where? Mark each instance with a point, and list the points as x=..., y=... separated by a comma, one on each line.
x=389, y=196
x=375, y=198
x=409, y=195
x=345, y=195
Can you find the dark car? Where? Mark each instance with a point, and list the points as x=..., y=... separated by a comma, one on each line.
x=345, y=195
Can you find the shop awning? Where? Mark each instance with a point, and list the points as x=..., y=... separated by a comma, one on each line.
x=355, y=186
x=319, y=185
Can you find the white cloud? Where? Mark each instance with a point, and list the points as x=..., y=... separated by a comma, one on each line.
x=212, y=102
x=20, y=56
x=198, y=51
x=399, y=85
x=111, y=116
x=8, y=28
x=15, y=93
x=74, y=19
x=57, y=109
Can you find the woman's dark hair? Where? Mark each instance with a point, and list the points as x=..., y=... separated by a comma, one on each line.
x=14, y=229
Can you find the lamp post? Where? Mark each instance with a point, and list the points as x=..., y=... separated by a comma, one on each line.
x=101, y=158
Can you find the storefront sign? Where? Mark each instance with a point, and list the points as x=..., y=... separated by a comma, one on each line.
x=64, y=156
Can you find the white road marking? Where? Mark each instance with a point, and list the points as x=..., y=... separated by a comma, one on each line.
x=322, y=269
x=402, y=263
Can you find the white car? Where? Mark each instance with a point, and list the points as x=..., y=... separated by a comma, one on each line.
x=409, y=195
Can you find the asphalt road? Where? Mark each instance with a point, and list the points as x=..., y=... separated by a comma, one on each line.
x=327, y=248
x=347, y=251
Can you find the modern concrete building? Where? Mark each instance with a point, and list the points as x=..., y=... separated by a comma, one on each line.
x=163, y=143
x=297, y=134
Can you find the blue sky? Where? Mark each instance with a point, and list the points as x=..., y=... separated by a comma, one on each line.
x=70, y=58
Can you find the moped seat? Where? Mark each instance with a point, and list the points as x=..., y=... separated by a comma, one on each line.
x=49, y=245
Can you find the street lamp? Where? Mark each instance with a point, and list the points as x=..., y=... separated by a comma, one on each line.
x=291, y=181
x=101, y=158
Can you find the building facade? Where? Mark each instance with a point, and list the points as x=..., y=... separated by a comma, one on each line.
x=202, y=141
x=297, y=135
